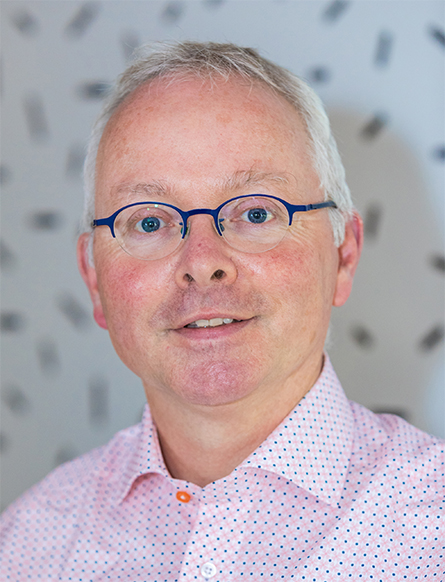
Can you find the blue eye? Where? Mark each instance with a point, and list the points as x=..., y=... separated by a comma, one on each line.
x=154, y=221
x=150, y=224
x=257, y=215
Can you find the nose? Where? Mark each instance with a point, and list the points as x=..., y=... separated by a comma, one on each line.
x=205, y=258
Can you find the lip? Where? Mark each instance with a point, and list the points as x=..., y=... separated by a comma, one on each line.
x=220, y=331
x=208, y=316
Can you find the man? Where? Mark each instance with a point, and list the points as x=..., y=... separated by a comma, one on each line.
x=220, y=235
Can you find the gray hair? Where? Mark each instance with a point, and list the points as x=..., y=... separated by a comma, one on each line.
x=211, y=60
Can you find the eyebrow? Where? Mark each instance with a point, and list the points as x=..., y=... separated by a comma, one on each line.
x=155, y=188
x=244, y=178
x=237, y=181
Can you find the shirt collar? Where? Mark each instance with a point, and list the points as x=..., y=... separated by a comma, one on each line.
x=145, y=456
x=312, y=446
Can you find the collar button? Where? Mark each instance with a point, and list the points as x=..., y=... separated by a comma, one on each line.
x=183, y=496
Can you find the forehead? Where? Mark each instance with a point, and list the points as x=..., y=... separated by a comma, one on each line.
x=193, y=132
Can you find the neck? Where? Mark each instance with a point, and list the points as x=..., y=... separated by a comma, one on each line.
x=202, y=444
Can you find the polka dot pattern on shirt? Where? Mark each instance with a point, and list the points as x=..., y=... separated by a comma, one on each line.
x=335, y=491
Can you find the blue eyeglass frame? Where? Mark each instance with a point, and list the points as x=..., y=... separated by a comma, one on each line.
x=185, y=215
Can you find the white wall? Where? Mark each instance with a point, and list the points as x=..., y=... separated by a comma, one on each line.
x=63, y=389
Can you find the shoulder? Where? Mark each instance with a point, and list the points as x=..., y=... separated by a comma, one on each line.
x=392, y=430
x=395, y=450
x=38, y=529
x=65, y=490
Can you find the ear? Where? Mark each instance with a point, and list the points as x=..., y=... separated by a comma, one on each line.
x=89, y=275
x=348, y=257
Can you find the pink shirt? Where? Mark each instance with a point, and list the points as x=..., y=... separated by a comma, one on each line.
x=335, y=491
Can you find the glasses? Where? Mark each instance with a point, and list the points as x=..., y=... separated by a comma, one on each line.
x=253, y=223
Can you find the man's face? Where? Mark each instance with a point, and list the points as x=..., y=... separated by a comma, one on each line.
x=196, y=145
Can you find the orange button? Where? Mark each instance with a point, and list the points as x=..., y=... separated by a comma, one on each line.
x=183, y=496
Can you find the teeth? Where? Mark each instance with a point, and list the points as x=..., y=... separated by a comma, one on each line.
x=215, y=322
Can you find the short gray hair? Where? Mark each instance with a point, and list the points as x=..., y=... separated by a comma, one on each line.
x=212, y=60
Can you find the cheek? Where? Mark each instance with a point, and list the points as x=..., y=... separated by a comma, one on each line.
x=301, y=280
x=289, y=270
x=129, y=289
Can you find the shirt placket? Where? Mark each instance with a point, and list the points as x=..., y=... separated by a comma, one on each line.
x=214, y=540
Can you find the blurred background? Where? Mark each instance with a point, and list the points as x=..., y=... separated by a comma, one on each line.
x=378, y=66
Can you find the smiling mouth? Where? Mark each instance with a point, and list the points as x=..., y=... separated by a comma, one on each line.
x=216, y=322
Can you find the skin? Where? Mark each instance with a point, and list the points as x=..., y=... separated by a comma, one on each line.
x=215, y=394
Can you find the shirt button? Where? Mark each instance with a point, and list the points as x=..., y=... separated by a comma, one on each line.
x=208, y=570
x=183, y=496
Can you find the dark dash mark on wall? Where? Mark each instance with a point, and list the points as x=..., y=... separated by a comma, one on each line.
x=45, y=220
x=5, y=175
x=82, y=20
x=74, y=162
x=213, y=3
x=93, y=90
x=374, y=126
x=173, y=12
x=35, y=118
x=362, y=336
x=438, y=262
x=335, y=10
x=371, y=220
x=48, y=357
x=7, y=257
x=11, y=321
x=319, y=75
x=25, y=22
x=15, y=400
x=384, y=45
x=130, y=42
x=439, y=153
x=73, y=311
x=432, y=338
x=438, y=35
x=65, y=454
x=4, y=442
x=402, y=412
x=98, y=401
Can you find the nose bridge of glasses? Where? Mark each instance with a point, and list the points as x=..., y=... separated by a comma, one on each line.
x=213, y=214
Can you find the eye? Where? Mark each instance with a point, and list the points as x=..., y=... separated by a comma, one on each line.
x=244, y=212
x=149, y=224
x=148, y=220
x=256, y=215
x=143, y=229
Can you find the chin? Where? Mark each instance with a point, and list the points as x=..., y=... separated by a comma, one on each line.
x=213, y=384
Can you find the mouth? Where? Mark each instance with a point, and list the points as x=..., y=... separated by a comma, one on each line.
x=213, y=328
x=215, y=322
